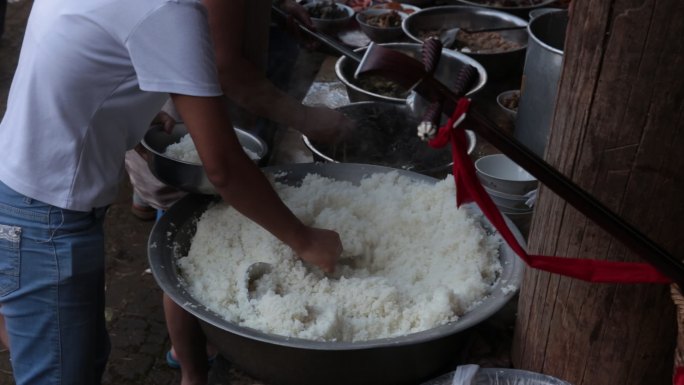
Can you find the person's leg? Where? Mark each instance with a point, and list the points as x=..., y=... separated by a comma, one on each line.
x=3, y=332
x=188, y=341
x=52, y=291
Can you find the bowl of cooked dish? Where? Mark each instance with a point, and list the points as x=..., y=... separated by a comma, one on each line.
x=328, y=16
x=381, y=25
x=376, y=88
x=399, y=7
x=469, y=30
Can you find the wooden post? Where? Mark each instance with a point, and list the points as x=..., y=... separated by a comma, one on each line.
x=618, y=132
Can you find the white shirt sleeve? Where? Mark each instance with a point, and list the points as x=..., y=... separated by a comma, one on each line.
x=171, y=51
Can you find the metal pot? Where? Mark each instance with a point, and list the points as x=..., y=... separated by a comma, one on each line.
x=541, y=74
x=498, y=65
x=276, y=359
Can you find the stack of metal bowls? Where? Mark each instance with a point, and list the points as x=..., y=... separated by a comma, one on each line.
x=512, y=189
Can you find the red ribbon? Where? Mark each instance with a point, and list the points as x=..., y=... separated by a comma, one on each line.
x=678, y=378
x=469, y=189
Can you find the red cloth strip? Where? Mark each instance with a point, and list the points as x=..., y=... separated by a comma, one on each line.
x=469, y=189
x=678, y=376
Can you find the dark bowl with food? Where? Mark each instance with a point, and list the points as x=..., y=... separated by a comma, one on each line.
x=375, y=88
x=501, y=53
x=329, y=17
x=386, y=135
x=520, y=8
x=381, y=25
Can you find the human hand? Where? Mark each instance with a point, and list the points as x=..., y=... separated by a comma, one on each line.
x=165, y=120
x=298, y=14
x=323, y=124
x=321, y=247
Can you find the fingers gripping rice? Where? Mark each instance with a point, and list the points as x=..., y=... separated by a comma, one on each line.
x=412, y=261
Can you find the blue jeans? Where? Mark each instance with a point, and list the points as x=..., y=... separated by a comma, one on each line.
x=52, y=291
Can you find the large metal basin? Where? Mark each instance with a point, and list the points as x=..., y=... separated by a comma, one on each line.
x=449, y=65
x=278, y=360
x=497, y=64
x=386, y=135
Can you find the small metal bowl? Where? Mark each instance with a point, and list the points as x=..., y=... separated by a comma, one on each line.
x=397, y=6
x=417, y=3
x=497, y=64
x=183, y=175
x=449, y=64
x=330, y=26
x=501, y=99
x=380, y=34
x=386, y=136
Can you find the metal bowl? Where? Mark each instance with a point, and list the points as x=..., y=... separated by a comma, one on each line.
x=386, y=135
x=275, y=359
x=497, y=64
x=522, y=10
x=331, y=26
x=183, y=175
x=449, y=64
x=380, y=34
x=417, y=3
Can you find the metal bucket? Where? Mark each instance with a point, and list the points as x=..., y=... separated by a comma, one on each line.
x=541, y=74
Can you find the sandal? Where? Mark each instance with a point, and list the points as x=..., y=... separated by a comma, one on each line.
x=173, y=363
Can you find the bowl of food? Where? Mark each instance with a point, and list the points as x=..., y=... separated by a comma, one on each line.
x=399, y=7
x=501, y=52
x=385, y=135
x=313, y=346
x=520, y=8
x=376, y=88
x=417, y=3
x=381, y=25
x=328, y=16
x=173, y=159
x=508, y=102
x=500, y=173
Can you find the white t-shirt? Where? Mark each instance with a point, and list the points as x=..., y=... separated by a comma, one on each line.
x=91, y=76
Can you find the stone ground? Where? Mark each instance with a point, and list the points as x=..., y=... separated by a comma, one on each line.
x=134, y=311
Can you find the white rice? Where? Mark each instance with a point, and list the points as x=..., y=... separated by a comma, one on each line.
x=185, y=150
x=417, y=261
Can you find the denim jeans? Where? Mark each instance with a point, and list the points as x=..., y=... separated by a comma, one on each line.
x=52, y=291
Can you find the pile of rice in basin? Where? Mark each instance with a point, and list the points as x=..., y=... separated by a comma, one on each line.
x=412, y=261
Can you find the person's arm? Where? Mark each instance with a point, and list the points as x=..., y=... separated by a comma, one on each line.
x=247, y=86
x=241, y=184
